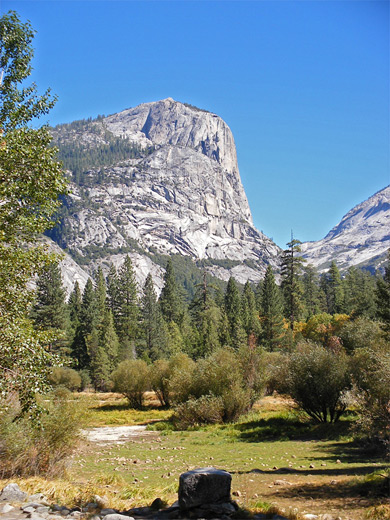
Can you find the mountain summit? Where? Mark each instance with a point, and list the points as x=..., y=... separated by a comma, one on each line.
x=361, y=238
x=160, y=178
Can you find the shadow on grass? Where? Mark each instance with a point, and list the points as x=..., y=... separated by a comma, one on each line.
x=320, y=472
x=118, y=407
x=291, y=428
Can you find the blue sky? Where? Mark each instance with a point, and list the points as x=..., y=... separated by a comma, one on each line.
x=304, y=86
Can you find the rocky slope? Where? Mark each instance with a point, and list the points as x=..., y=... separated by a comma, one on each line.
x=176, y=190
x=362, y=238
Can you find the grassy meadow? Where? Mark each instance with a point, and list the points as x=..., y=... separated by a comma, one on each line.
x=279, y=461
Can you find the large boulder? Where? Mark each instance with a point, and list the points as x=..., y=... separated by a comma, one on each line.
x=204, y=486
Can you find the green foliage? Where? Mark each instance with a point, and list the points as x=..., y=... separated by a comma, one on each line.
x=206, y=409
x=152, y=323
x=292, y=287
x=30, y=183
x=27, y=448
x=271, y=312
x=170, y=300
x=383, y=297
x=334, y=290
x=317, y=379
x=359, y=334
x=131, y=379
x=65, y=376
x=371, y=374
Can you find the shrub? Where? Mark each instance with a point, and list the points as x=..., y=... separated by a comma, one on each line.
x=67, y=377
x=276, y=370
x=132, y=379
x=159, y=379
x=207, y=409
x=30, y=448
x=224, y=376
x=317, y=380
x=181, y=376
x=371, y=374
x=360, y=333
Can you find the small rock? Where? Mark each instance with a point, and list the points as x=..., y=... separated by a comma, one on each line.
x=102, y=502
x=338, y=461
x=310, y=517
x=311, y=466
x=118, y=516
x=6, y=508
x=236, y=493
x=282, y=483
x=39, y=497
x=107, y=511
x=35, y=516
x=28, y=509
x=12, y=493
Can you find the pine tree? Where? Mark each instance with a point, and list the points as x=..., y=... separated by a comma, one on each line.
x=100, y=299
x=291, y=282
x=85, y=327
x=383, y=297
x=206, y=317
x=359, y=293
x=151, y=322
x=127, y=311
x=50, y=310
x=311, y=290
x=233, y=313
x=250, y=315
x=334, y=290
x=271, y=312
x=170, y=301
x=109, y=341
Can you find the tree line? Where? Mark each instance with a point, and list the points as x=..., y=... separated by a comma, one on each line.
x=113, y=320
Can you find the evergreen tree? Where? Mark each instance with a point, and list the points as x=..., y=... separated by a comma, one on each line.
x=109, y=341
x=74, y=305
x=271, y=312
x=100, y=299
x=170, y=301
x=127, y=311
x=383, y=297
x=359, y=293
x=85, y=327
x=334, y=290
x=112, y=291
x=206, y=318
x=233, y=313
x=291, y=282
x=250, y=315
x=50, y=310
x=311, y=289
x=151, y=322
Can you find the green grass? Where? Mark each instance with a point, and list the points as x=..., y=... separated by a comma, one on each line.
x=269, y=444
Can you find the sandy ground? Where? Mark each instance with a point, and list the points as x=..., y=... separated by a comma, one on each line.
x=115, y=434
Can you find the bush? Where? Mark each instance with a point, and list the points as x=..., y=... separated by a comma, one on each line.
x=132, y=379
x=28, y=448
x=207, y=409
x=225, y=376
x=371, y=374
x=67, y=377
x=317, y=380
x=360, y=333
x=181, y=377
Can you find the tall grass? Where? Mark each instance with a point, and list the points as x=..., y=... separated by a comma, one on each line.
x=29, y=448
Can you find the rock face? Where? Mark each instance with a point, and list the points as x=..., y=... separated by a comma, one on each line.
x=181, y=194
x=360, y=239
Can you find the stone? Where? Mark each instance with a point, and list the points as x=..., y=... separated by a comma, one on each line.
x=117, y=516
x=12, y=493
x=108, y=511
x=6, y=508
x=35, y=516
x=204, y=486
x=102, y=502
x=40, y=498
x=309, y=516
